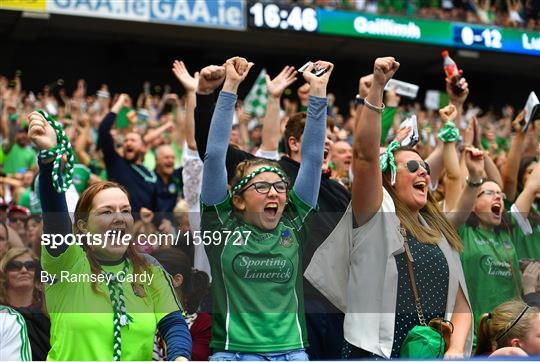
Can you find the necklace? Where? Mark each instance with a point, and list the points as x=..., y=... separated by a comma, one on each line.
x=152, y=178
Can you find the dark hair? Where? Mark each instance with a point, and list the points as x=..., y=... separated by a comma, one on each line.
x=243, y=167
x=196, y=284
x=295, y=127
x=474, y=221
x=525, y=162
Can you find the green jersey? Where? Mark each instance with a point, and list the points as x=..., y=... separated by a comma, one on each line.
x=82, y=320
x=81, y=176
x=256, y=280
x=19, y=159
x=491, y=268
x=527, y=245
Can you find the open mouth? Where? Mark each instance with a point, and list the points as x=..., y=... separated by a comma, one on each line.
x=420, y=186
x=496, y=210
x=271, y=209
x=326, y=152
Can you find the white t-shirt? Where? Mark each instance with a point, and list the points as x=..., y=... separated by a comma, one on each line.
x=14, y=343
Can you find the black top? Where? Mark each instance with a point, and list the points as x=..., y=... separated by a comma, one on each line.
x=167, y=192
x=142, y=192
x=38, y=326
x=432, y=278
x=332, y=202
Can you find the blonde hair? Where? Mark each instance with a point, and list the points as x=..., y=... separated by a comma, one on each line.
x=431, y=212
x=503, y=323
x=6, y=259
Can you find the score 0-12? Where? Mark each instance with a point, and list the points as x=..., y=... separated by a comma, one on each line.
x=478, y=37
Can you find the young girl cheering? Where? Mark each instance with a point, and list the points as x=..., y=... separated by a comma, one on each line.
x=93, y=317
x=256, y=271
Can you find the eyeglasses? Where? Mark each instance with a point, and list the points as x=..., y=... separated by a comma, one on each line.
x=492, y=193
x=18, y=265
x=263, y=187
x=414, y=165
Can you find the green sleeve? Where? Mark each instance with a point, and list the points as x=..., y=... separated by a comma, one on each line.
x=387, y=121
x=163, y=294
x=298, y=209
x=66, y=261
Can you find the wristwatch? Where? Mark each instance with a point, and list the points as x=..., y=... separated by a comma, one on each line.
x=359, y=101
x=474, y=184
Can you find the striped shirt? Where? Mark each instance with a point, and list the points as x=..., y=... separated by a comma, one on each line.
x=14, y=344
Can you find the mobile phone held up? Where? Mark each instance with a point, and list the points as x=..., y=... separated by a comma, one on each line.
x=317, y=71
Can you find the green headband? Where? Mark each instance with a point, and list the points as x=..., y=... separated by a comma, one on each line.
x=387, y=159
x=246, y=179
x=62, y=146
x=449, y=133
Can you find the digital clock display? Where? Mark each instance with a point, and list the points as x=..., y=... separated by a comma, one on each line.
x=474, y=37
x=275, y=16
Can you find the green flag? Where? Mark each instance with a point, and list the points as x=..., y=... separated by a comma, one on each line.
x=255, y=102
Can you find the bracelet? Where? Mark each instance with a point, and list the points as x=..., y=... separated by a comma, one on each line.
x=363, y=101
x=474, y=184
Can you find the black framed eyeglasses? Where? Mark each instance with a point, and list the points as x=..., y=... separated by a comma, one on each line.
x=414, y=165
x=263, y=187
x=18, y=265
x=492, y=193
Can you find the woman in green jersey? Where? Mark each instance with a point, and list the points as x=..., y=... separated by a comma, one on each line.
x=256, y=232
x=489, y=257
x=105, y=301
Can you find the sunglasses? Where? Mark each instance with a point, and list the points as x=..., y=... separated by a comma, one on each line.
x=492, y=193
x=263, y=187
x=414, y=165
x=18, y=265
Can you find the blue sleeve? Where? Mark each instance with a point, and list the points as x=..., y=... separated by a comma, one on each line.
x=308, y=181
x=105, y=140
x=54, y=207
x=174, y=331
x=214, y=182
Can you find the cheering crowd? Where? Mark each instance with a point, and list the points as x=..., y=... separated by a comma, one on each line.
x=311, y=232
x=508, y=13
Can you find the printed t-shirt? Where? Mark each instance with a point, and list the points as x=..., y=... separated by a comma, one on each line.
x=491, y=268
x=256, y=280
x=82, y=320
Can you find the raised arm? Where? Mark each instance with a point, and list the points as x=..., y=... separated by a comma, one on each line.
x=525, y=200
x=53, y=204
x=214, y=185
x=190, y=86
x=105, y=139
x=308, y=181
x=511, y=167
x=474, y=160
x=449, y=135
x=210, y=79
x=81, y=141
x=271, y=121
x=367, y=186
